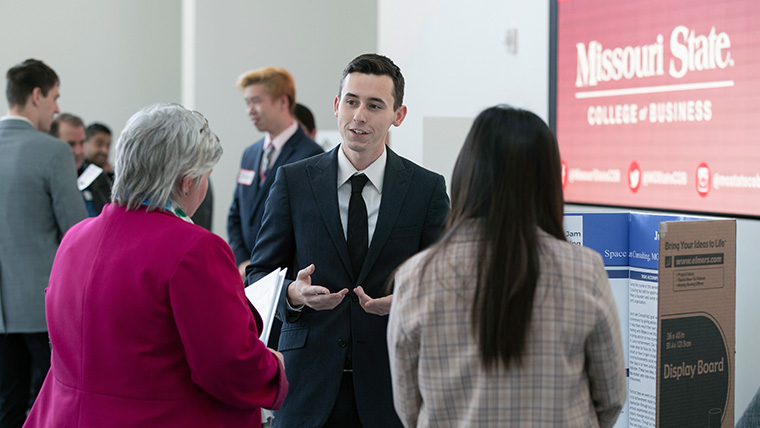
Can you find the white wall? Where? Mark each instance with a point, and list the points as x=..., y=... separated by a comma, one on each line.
x=455, y=62
x=311, y=39
x=111, y=57
x=115, y=57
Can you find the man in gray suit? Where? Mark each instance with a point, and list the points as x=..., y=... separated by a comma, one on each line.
x=39, y=201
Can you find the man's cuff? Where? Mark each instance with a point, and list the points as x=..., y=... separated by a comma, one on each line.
x=291, y=308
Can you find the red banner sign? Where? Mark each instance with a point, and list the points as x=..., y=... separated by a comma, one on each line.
x=658, y=104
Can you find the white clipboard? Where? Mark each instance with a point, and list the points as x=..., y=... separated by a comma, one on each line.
x=264, y=295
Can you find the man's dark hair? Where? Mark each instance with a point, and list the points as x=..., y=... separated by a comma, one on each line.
x=378, y=65
x=94, y=128
x=304, y=115
x=64, y=117
x=23, y=78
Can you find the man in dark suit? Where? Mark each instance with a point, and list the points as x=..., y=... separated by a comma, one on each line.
x=270, y=97
x=39, y=202
x=97, y=147
x=346, y=219
x=93, y=181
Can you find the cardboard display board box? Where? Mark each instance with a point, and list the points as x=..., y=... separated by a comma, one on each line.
x=673, y=278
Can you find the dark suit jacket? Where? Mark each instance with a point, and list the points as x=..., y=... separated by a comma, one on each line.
x=204, y=215
x=244, y=217
x=100, y=188
x=302, y=226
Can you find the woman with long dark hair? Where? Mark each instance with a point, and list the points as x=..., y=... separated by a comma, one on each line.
x=503, y=322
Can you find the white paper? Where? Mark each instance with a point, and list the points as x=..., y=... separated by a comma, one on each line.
x=88, y=176
x=643, y=311
x=264, y=295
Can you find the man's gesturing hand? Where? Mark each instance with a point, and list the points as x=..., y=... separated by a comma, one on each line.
x=379, y=306
x=302, y=292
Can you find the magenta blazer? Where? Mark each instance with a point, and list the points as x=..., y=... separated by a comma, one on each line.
x=150, y=326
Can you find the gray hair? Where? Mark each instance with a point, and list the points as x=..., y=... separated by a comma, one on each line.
x=160, y=146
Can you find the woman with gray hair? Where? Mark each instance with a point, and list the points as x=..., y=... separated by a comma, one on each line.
x=147, y=316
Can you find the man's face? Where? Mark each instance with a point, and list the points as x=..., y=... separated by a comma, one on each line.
x=365, y=113
x=97, y=147
x=48, y=108
x=74, y=135
x=266, y=113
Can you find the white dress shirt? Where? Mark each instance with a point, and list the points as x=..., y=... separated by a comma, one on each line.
x=278, y=142
x=372, y=192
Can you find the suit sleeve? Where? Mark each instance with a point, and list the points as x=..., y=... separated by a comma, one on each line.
x=604, y=354
x=275, y=244
x=204, y=215
x=234, y=231
x=218, y=330
x=68, y=205
x=436, y=214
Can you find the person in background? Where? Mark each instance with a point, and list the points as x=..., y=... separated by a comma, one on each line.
x=306, y=120
x=94, y=184
x=204, y=215
x=153, y=328
x=270, y=98
x=347, y=218
x=70, y=129
x=97, y=146
x=503, y=322
x=39, y=202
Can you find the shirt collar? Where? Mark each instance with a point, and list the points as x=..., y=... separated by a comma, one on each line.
x=282, y=137
x=172, y=207
x=375, y=172
x=14, y=117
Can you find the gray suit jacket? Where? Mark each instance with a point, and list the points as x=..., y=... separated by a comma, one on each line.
x=39, y=202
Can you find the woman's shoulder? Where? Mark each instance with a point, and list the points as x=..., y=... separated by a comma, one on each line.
x=162, y=226
x=570, y=259
x=443, y=263
x=412, y=265
x=187, y=241
x=195, y=233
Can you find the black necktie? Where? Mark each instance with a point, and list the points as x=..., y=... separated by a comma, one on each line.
x=358, y=232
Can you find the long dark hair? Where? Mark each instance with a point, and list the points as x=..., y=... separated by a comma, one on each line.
x=507, y=176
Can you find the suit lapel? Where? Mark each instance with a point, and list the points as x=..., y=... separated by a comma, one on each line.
x=257, y=149
x=255, y=200
x=288, y=149
x=395, y=186
x=323, y=177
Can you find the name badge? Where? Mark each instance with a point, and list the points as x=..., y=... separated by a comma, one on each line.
x=245, y=177
x=88, y=176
